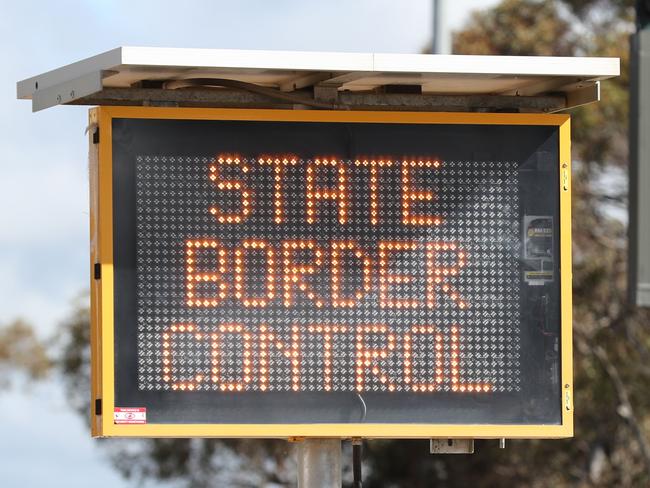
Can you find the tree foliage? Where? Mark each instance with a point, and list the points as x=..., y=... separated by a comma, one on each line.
x=185, y=462
x=612, y=340
x=21, y=351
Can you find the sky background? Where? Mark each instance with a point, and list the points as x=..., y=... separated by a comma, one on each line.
x=44, y=260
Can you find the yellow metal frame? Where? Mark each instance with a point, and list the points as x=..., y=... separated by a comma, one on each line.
x=101, y=228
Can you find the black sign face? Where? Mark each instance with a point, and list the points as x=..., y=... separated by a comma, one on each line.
x=295, y=272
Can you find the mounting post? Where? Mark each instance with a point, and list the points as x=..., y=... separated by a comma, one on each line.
x=319, y=463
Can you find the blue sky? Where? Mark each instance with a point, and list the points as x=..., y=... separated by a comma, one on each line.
x=43, y=184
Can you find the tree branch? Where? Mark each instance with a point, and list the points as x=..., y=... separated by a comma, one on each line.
x=625, y=409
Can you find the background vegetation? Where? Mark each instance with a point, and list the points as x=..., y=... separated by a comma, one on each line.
x=612, y=340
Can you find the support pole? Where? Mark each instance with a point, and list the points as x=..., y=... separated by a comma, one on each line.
x=319, y=463
x=639, y=225
x=441, y=35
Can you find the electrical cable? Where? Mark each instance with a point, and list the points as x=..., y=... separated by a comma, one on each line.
x=249, y=87
x=365, y=408
x=357, y=449
x=356, y=464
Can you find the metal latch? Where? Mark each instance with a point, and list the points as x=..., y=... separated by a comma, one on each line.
x=565, y=177
x=452, y=446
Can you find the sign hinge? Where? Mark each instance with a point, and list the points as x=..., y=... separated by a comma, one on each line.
x=97, y=271
x=565, y=177
x=98, y=406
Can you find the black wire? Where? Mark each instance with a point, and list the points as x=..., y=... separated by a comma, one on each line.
x=356, y=465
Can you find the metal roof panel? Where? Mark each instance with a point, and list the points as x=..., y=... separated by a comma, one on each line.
x=128, y=67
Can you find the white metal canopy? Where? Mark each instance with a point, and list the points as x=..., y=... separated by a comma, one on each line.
x=150, y=76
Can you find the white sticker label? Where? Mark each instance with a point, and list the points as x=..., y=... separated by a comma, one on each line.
x=129, y=415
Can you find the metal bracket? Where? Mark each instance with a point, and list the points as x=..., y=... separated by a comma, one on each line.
x=452, y=446
x=326, y=93
x=67, y=92
x=304, y=81
x=584, y=95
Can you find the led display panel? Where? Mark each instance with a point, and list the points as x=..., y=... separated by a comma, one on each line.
x=284, y=273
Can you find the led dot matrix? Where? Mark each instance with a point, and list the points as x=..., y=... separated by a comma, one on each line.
x=280, y=272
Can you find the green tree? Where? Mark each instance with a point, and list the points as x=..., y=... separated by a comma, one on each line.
x=612, y=340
